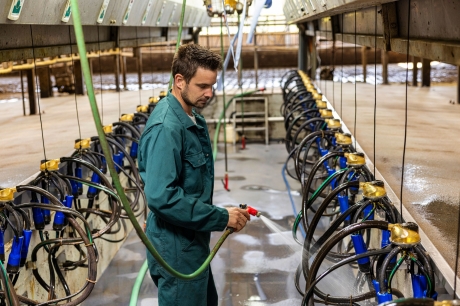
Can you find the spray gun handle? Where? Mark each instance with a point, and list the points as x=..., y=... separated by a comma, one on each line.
x=252, y=211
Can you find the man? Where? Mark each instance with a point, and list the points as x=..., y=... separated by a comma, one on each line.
x=176, y=165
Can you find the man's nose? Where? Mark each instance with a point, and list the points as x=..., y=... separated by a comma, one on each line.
x=208, y=93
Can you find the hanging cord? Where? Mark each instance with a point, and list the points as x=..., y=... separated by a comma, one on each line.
x=139, y=60
x=100, y=73
x=119, y=91
x=240, y=68
x=341, y=75
x=38, y=96
x=454, y=296
x=375, y=82
x=179, y=38
x=356, y=106
x=75, y=93
x=333, y=64
x=325, y=77
x=405, y=113
x=151, y=61
x=225, y=181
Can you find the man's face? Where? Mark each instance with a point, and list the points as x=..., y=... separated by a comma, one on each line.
x=199, y=90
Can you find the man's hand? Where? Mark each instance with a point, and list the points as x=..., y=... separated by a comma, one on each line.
x=237, y=218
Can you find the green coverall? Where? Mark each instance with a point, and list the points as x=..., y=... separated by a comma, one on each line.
x=176, y=165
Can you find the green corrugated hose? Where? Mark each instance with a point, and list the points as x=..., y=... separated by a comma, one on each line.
x=105, y=148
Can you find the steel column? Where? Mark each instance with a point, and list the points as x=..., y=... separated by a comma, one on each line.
x=117, y=72
x=384, y=66
x=302, y=55
x=364, y=62
x=426, y=71
x=78, y=78
x=414, y=71
x=44, y=79
x=138, y=54
x=31, y=89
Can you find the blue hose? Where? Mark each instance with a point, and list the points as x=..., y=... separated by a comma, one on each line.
x=288, y=187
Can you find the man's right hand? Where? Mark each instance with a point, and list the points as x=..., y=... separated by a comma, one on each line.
x=237, y=218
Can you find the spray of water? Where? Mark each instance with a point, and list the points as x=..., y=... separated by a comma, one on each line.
x=282, y=235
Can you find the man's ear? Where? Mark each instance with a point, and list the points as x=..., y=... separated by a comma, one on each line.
x=179, y=81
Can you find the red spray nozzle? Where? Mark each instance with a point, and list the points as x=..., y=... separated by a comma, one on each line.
x=252, y=211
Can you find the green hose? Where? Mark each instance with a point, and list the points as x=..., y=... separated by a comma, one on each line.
x=312, y=199
x=138, y=283
x=110, y=165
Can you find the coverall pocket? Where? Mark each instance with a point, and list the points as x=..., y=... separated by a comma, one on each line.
x=187, y=239
x=195, y=168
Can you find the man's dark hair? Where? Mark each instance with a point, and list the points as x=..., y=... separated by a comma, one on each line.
x=191, y=56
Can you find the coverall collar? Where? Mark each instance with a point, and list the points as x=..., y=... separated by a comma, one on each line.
x=180, y=112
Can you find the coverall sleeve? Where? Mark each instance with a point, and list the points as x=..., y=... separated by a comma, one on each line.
x=161, y=166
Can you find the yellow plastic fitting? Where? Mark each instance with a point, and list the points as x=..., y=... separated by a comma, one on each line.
x=333, y=124
x=355, y=159
x=82, y=144
x=317, y=96
x=447, y=303
x=50, y=165
x=163, y=94
x=373, y=190
x=320, y=104
x=154, y=99
x=404, y=234
x=326, y=113
x=7, y=194
x=343, y=139
x=142, y=109
x=108, y=129
x=127, y=118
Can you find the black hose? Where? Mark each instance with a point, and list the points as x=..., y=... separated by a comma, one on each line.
x=383, y=269
x=333, y=241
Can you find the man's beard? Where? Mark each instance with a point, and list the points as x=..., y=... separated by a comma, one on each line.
x=184, y=95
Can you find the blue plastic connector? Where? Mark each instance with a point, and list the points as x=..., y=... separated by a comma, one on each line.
x=103, y=165
x=15, y=255
x=360, y=248
x=419, y=286
x=59, y=219
x=376, y=285
x=344, y=205
x=92, y=191
x=343, y=162
x=79, y=174
x=37, y=214
x=2, y=246
x=46, y=212
x=68, y=201
x=118, y=160
x=384, y=297
x=385, y=238
x=367, y=212
x=25, y=246
x=133, y=150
